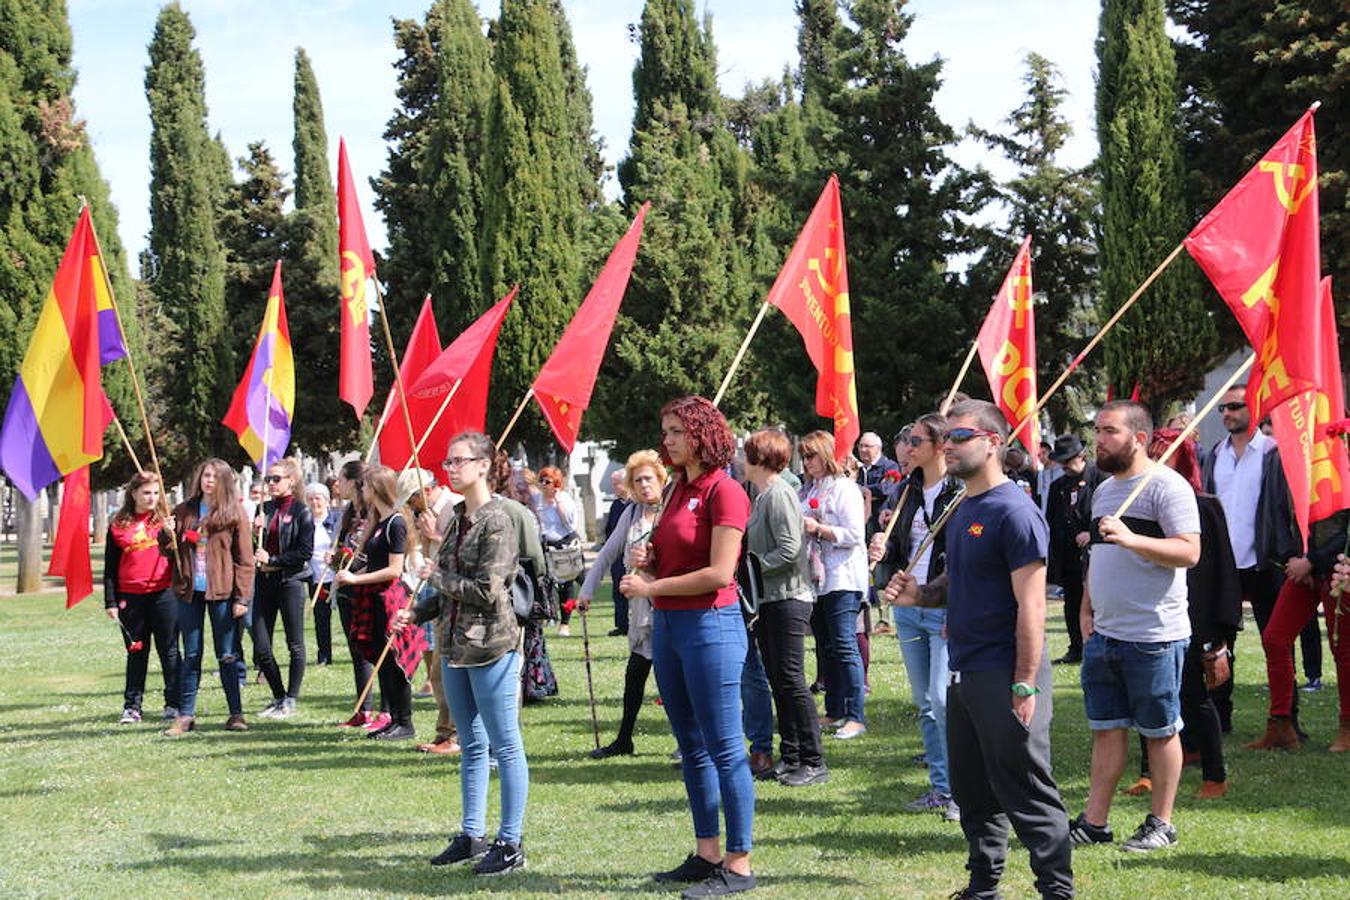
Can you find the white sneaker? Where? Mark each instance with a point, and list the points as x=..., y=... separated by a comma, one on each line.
x=564, y=631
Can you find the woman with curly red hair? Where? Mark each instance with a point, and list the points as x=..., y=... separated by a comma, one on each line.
x=699, y=639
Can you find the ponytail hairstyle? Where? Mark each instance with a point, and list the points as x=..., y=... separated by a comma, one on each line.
x=354, y=470
x=128, y=511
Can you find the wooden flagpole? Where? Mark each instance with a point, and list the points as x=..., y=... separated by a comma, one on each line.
x=895, y=514
x=1096, y=339
x=501, y=441
x=740, y=354
x=398, y=385
x=1185, y=433
x=960, y=377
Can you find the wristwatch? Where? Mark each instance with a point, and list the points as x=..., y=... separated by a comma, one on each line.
x=1022, y=689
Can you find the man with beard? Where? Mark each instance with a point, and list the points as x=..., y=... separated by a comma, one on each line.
x=1135, y=623
x=994, y=591
x=1244, y=472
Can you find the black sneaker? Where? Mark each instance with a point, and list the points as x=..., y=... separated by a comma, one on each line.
x=720, y=883
x=805, y=775
x=1154, y=834
x=967, y=893
x=395, y=733
x=694, y=868
x=1082, y=833
x=501, y=858
x=463, y=847
x=614, y=749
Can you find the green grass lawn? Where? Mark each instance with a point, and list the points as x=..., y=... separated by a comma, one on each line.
x=297, y=808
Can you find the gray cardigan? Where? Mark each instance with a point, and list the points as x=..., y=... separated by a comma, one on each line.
x=775, y=534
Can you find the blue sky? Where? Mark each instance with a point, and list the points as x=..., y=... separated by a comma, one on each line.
x=248, y=49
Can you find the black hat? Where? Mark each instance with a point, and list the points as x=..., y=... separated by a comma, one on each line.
x=1067, y=447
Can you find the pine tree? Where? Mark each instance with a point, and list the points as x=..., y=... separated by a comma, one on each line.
x=311, y=277
x=1057, y=207
x=186, y=189
x=49, y=166
x=691, y=296
x=1167, y=341
x=533, y=201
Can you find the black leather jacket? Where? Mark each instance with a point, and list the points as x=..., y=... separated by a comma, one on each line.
x=295, y=537
x=898, y=548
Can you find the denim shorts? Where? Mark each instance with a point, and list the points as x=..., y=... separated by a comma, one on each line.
x=1133, y=684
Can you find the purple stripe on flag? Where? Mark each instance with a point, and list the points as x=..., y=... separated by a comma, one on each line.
x=110, y=343
x=23, y=452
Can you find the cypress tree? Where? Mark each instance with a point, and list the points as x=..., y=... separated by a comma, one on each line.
x=311, y=276
x=533, y=201
x=1056, y=205
x=252, y=226
x=1167, y=340
x=186, y=188
x=691, y=296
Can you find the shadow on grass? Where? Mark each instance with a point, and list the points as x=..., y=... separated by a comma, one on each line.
x=873, y=843
x=1265, y=868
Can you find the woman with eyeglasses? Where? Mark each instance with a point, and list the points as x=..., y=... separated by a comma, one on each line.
x=832, y=507
x=559, y=525
x=923, y=631
x=379, y=594
x=478, y=636
x=645, y=478
x=699, y=640
x=281, y=586
x=214, y=580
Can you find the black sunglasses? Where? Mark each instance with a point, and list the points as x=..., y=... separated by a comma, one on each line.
x=1231, y=407
x=961, y=435
x=273, y=479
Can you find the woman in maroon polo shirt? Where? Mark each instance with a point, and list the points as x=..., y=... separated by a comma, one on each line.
x=699, y=639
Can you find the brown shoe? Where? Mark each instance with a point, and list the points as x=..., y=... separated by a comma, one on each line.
x=1342, y=742
x=236, y=723
x=1141, y=787
x=761, y=764
x=181, y=726
x=447, y=747
x=1280, y=735
x=1212, y=790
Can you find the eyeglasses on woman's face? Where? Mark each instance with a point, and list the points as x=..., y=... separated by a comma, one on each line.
x=458, y=462
x=918, y=440
x=273, y=479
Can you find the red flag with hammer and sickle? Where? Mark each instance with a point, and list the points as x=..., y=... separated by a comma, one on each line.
x=812, y=291
x=1007, y=345
x=357, y=264
x=1260, y=248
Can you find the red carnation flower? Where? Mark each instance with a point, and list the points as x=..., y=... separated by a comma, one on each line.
x=568, y=606
x=814, y=503
x=1340, y=428
x=135, y=646
x=192, y=535
x=892, y=475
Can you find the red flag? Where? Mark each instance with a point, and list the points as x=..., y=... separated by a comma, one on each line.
x=424, y=345
x=355, y=383
x=1137, y=393
x=469, y=357
x=70, y=550
x=812, y=291
x=1260, y=248
x=563, y=386
x=1007, y=342
x=1315, y=462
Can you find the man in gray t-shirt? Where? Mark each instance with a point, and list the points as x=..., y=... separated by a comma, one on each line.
x=1133, y=597
x=1135, y=625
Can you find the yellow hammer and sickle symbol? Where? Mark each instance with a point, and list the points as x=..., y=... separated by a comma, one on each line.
x=1019, y=298
x=1263, y=290
x=828, y=280
x=1292, y=184
x=354, y=286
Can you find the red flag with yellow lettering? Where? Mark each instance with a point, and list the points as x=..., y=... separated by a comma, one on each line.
x=812, y=291
x=357, y=264
x=1007, y=345
x=1315, y=462
x=1260, y=248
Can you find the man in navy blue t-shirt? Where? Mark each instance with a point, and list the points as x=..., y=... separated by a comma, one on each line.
x=999, y=700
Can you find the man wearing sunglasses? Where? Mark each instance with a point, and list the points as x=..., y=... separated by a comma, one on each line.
x=994, y=590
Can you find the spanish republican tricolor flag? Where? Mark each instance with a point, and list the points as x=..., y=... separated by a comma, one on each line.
x=264, y=402
x=812, y=291
x=1007, y=345
x=57, y=411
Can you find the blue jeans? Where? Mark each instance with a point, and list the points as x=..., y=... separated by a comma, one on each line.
x=756, y=702
x=924, y=650
x=224, y=635
x=482, y=700
x=843, y=662
x=1133, y=684
x=698, y=655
